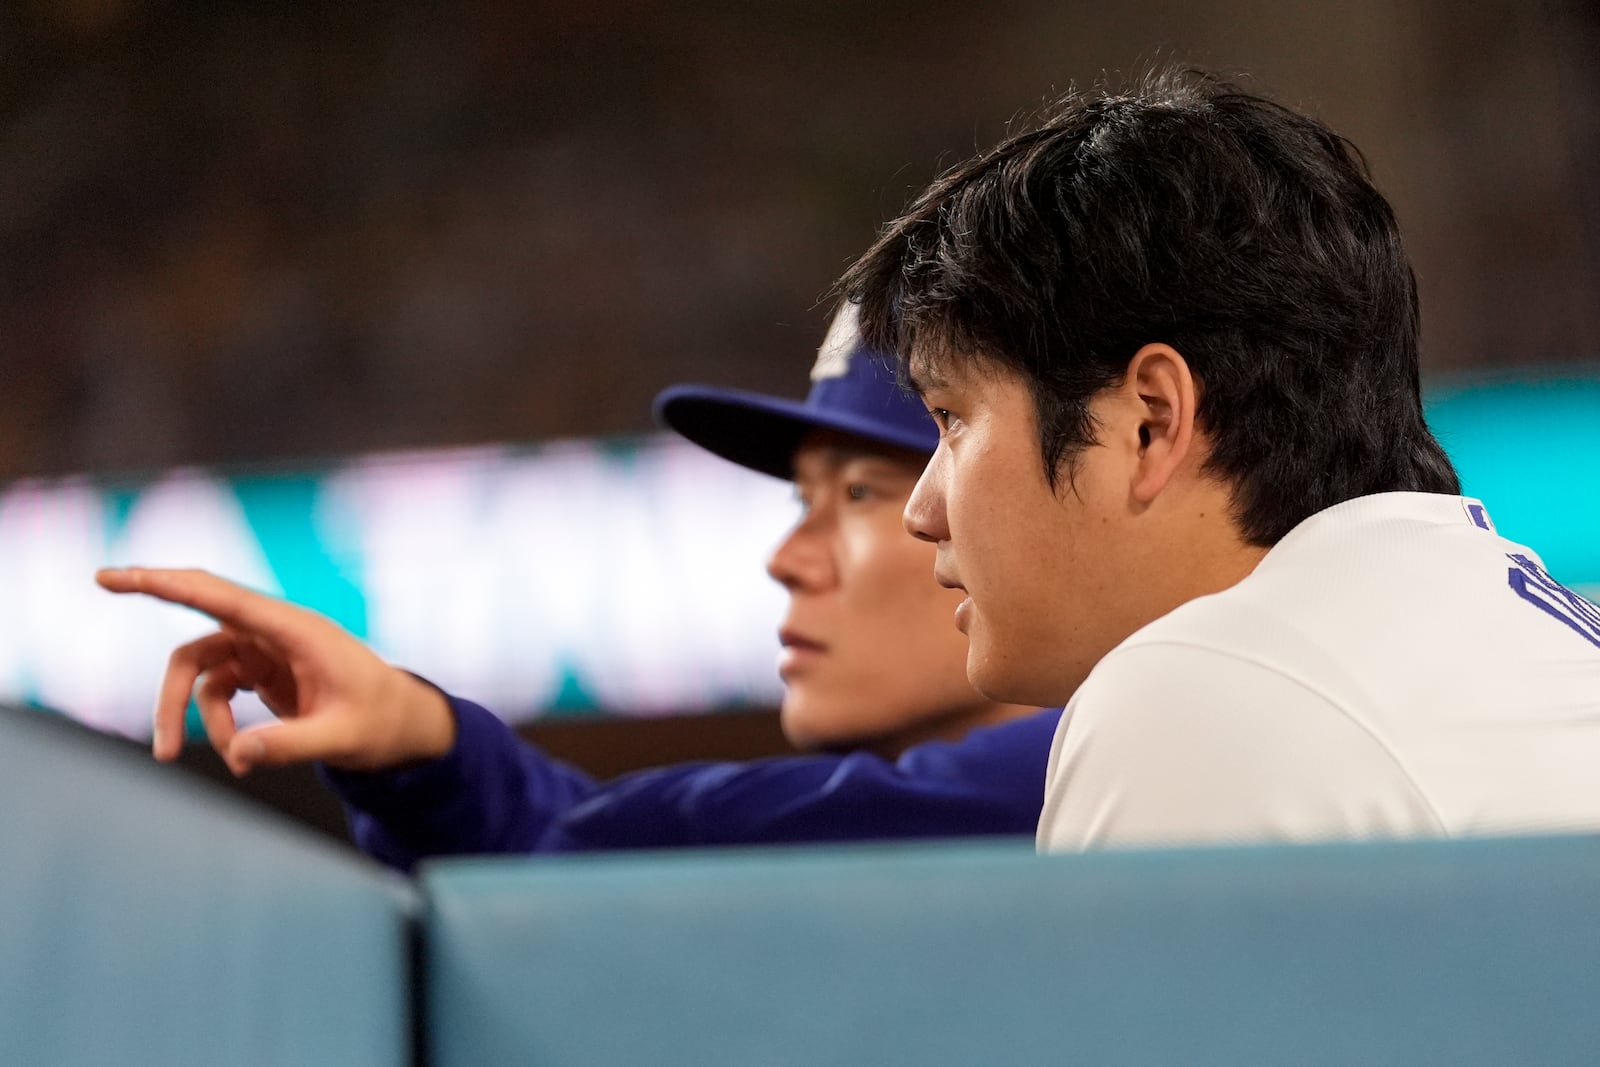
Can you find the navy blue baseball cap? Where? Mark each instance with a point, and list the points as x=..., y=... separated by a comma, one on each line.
x=853, y=391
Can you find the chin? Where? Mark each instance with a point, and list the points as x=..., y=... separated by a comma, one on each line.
x=800, y=724
x=810, y=729
x=981, y=672
x=997, y=683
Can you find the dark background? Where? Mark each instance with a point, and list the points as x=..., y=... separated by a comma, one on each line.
x=273, y=232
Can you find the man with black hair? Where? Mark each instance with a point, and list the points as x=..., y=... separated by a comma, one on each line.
x=1170, y=340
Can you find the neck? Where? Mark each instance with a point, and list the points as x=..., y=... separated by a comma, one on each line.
x=1190, y=547
x=1207, y=552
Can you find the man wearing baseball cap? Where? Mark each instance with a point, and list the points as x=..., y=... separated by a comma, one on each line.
x=874, y=671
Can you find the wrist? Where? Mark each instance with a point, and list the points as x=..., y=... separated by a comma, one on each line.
x=427, y=721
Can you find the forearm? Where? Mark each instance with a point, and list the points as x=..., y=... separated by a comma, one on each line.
x=491, y=793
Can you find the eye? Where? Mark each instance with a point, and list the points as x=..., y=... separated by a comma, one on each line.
x=857, y=491
x=940, y=417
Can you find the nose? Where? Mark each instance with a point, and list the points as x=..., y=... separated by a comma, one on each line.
x=924, y=516
x=801, y=561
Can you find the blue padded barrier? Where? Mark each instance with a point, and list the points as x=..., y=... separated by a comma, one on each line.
x=149, y=918
x=1471, y=952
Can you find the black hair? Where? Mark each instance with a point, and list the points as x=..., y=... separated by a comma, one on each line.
x=1187, y=211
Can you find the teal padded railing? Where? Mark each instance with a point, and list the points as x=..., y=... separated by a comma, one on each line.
x=147, y=918
x=1466, y=952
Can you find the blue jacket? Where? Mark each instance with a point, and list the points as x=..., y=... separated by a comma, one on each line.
x=494, y=793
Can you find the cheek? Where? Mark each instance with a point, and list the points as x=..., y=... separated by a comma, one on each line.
x=887, y=587
x=921, y=616
x=1020, y=573
x=986, y=507
x=892, y=571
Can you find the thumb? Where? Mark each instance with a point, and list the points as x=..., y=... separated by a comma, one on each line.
x=279, y=744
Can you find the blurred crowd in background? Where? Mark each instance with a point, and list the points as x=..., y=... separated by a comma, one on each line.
x=255, y=232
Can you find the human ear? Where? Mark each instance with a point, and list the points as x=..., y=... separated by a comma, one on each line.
x=1167, y=397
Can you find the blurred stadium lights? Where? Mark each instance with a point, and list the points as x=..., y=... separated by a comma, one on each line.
x=612, y=576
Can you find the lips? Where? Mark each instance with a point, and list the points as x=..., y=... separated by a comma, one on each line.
x=946, y=577
x=796, y=640
x=964, y=614
x=799, y=651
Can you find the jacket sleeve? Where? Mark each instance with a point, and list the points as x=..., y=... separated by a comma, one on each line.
x=495, y=793
x=492, y=793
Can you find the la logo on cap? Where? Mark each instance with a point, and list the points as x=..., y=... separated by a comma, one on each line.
x=833, y=358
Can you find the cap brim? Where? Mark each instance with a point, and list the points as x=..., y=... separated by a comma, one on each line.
x=762, y=432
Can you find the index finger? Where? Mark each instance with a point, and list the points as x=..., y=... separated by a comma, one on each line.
x=227, y=602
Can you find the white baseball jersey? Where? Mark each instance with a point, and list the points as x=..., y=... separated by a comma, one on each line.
x=1392, y=668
